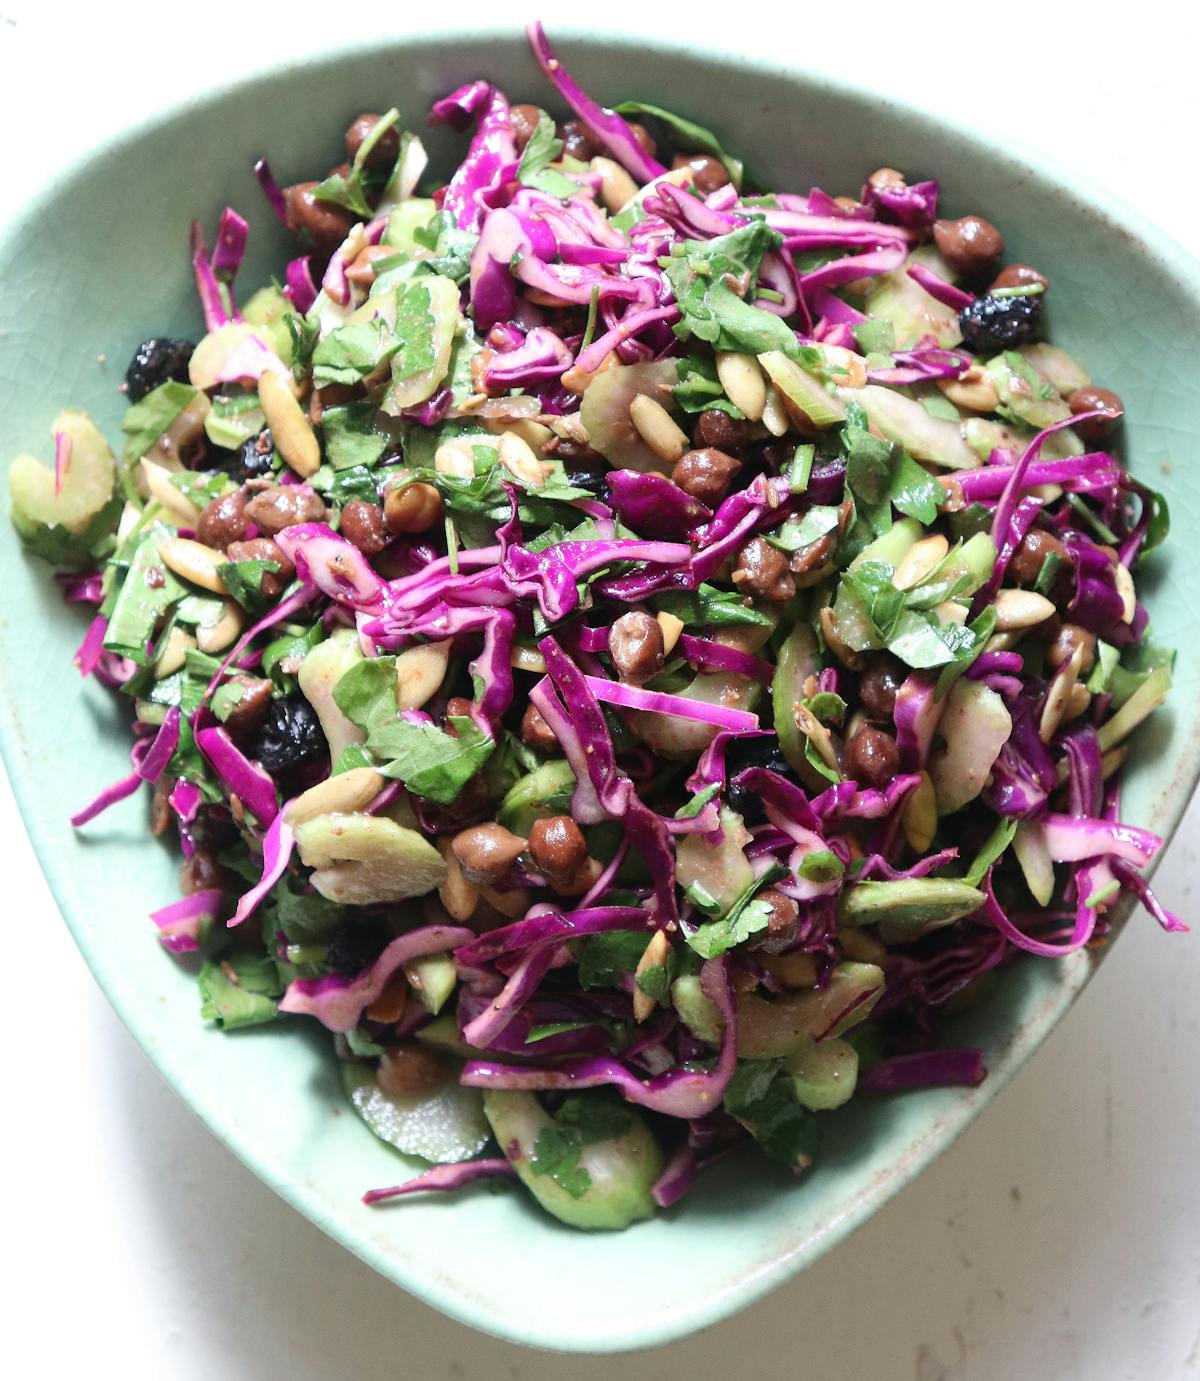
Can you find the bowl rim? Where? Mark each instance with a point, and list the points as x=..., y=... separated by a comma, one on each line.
x=689, y=1317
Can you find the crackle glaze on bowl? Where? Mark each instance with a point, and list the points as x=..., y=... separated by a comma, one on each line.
x=98, y=261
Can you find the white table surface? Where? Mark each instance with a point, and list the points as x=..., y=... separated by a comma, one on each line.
x=1058, y=1239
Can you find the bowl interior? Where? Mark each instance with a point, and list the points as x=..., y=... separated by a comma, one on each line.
x=100, y=260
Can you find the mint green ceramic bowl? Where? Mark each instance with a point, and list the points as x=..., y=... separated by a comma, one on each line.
x=99, y=261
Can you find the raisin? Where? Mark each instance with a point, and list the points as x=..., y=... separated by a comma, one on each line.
x=356, y=944
x=999, y=323
x=154, y=362
x=291, y=735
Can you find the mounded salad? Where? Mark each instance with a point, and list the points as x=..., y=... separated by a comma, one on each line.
x=627, y=652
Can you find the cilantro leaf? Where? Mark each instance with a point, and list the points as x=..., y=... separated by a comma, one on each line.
x=656, y=981
x=797, y=533
x=875, y=336
x=340, y=486
x=350, y=435
x=761, y=1097
x=920, y=641
x=594, y=1117
x=745, y=917
x=244, y=579
x=366, y=693
x=452, y=247
x=968, y=521
x=239, y=991
x=543, y=149
x=349, y=190
x=430, y=762
x=349, y=354
x=61, y=547
x=713, y=280
x=1159, y=523
x=1121, y=680
x=914, y=490
x=882, y=603
x=415, y=326
x=283, y=655
x=699, y=389
x=305, y=918
x=146, y=420
x=581, y=1120
x=202, y=486
x=147, y=591
x=707, y=606
x=554, y=1028
x=605, y=958
x=687, y=136
x=996, y=843
x=881, y=475
x=304, y=334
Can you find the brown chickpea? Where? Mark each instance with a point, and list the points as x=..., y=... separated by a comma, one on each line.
x=884, y=179
x=557, y=847
x=705, y=474
x=1088, y=400
x=877, y=687
x=815, y=555
x=708, y=173
x=971, y=246
x=281, y=506
x=408, y=1070
x=251, y=708
x=578, y=141
x=362, y=524
x=645, y=139
x=871, y=757
x=635, y=644
x=200, y=872
x=263, y=549
x=761, y=571
x=784, y=911
x=486, y=852
x=386, y=148
x=524, y=121
x=457, y=707
x=1018, y=276
x=325, y=223
x=1062, y=647
x=717, y=429
x=223, y=520
x=411, y=508
x=161, y=813
x=1030, y=556
x=535, y=731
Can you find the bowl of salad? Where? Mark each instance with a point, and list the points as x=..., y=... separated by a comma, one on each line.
x=615, y=653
